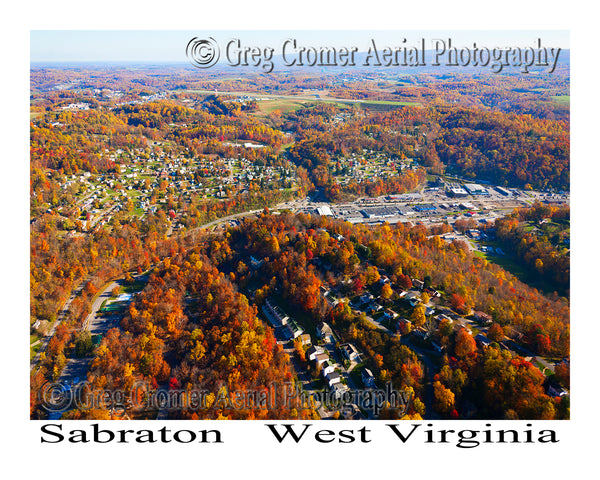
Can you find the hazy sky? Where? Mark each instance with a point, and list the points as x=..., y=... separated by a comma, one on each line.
x=163, y=45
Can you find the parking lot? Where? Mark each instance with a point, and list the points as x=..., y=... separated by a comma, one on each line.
x=434, y=205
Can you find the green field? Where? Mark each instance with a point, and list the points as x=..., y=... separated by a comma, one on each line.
x=566, y=99
x=136, y=286
x=282, y=104
x=525, y=275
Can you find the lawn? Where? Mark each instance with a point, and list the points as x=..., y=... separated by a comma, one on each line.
x=136, y=286
x=34, y=337
x=34, y=350
x=525, y=275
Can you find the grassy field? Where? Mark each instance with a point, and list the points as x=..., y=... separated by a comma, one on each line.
x=525, y=275
x=34, y=350
x=136, y=286
x=284, y=105
x=562, y=99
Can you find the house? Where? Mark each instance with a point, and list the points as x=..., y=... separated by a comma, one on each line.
x=461, y=326
x=483, y=317
x=417, y=283
x=313, y=351
x=441, y=317
x=389, y=314
x=432, y=293
x=429, y=311
x=367, y=378
x=482, y=340
x=366, y=298
x=325, y=333
x=420, y=332
x=330, y=297
x=555, y=390
x=333, y=377
x=352, y=412
x=327, y=367
x=374, y=307
x=255, y=262
x=294, y=329
x=338, y=390
x=305, y=339
x=321, y=358
x=404, y=326
x=274, y=314
x=350, y=352
x=412, y=298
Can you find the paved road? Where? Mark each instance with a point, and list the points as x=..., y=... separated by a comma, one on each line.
x=91, y=320
x=61, y=316
x=76, y=368
x=235, y=216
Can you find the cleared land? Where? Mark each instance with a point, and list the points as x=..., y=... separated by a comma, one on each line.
x=293, y=102
x=562, y=99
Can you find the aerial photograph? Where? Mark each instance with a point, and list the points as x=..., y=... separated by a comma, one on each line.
x=299, y=225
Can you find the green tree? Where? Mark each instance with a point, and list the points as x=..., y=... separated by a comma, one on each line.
x=83, y=344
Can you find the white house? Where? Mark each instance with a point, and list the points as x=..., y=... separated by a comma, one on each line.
x=332, y=378
x=321, y=358
x=325, y=333
x=327, y=367
x=313, y=351
x=350, y=352
x=338, y=389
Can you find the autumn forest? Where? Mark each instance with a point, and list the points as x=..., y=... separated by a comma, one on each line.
x=182, y=237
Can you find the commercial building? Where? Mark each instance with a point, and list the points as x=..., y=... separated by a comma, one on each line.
x=475, y=189
x=379, y=212
x=325, y=211
x=504, y=191
x=457, y=192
